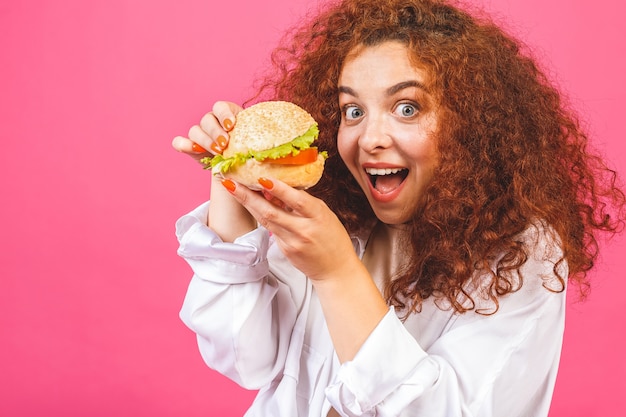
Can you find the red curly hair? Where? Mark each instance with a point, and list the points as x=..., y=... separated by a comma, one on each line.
x=511, y=151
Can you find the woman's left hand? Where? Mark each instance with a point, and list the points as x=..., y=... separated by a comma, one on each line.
x=307, y=231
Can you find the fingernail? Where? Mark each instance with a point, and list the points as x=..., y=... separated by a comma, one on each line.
x=228, y=124
x=229, y=185
x=215, y=148
x=265, y=183
x=222, y=141
x=197, y=148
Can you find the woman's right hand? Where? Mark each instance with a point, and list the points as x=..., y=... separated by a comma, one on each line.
x=227, y=217
x=210, y=137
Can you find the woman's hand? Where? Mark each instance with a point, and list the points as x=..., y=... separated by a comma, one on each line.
x=227, y=217
x=210, y=137
x=307, y=231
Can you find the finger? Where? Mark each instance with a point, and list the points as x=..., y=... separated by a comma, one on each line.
x=218, y=123
x=275, y=201
x=204, y=142
x=298, y=201
x=186, y=146
x=226, y=113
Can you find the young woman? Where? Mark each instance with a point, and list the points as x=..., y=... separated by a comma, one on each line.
x=425, y=274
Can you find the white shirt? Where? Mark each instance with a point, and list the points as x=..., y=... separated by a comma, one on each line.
x=259, y=322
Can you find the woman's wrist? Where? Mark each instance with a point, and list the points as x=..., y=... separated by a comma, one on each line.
x=227, y=217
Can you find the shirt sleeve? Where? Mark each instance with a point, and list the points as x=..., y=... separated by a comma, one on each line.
x=242, y=314
x=482, y=365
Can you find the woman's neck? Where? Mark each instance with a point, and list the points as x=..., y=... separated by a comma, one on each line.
x=385, y=252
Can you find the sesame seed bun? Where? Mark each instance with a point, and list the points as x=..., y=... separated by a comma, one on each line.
x=264, y=126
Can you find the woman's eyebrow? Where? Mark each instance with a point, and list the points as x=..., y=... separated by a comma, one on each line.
x=405, y=84
x=390, y=91
x=347, y=90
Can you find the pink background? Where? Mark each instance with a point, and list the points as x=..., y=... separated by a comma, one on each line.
x=91, y=94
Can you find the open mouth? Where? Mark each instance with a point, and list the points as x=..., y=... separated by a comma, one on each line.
x=386, y=180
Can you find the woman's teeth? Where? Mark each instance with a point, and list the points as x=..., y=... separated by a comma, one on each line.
x=385, y=180
x=382, y=171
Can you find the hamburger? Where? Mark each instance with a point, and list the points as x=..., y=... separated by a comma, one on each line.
x=271, y=139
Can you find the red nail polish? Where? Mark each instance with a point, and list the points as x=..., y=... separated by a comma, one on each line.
x=197, y=148
x=229, y=185
x=228, y=124
x=222, y=142
x=265, y=183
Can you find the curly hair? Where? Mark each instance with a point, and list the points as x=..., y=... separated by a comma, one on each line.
x=511, y=151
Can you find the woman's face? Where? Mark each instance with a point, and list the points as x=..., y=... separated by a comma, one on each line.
x=387, y=130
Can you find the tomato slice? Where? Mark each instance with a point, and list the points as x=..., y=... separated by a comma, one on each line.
x=305, y=156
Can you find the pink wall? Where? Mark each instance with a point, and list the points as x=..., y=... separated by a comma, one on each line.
x=91, y=93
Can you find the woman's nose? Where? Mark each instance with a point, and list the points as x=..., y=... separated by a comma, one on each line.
x=375, y=135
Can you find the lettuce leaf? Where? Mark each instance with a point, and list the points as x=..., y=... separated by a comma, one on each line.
x=290, y=148
x=220, y=164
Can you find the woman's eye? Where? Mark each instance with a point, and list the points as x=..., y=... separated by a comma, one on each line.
x=406, y=110
x=353, y=112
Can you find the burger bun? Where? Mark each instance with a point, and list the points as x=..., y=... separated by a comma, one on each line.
x=264, y=126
